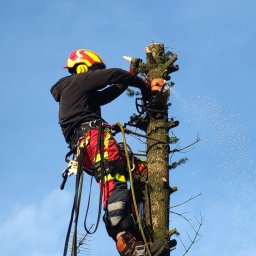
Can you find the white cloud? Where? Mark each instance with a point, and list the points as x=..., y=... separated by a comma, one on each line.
x=37, y=229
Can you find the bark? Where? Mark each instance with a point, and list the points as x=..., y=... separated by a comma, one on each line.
x=157, y=203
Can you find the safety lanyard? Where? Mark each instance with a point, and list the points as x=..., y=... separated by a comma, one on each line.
x=100, y=149
x=76, y=206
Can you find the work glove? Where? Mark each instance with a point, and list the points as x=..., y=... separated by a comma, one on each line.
x=157, y=84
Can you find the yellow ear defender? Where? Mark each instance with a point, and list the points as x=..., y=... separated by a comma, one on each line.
x=82, y=68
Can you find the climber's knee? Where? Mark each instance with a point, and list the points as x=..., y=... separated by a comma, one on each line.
x=125, y=224
x=116, y=212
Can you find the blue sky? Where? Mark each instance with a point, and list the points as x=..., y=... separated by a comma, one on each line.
x=213, y=96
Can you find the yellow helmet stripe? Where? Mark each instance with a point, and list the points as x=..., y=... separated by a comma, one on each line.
x=94, y=56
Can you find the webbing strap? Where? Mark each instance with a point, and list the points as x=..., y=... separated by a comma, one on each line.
x=100, y=148
x=78, y=193
x=69, y=229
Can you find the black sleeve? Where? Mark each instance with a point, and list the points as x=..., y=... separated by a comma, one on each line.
x=124, y=77
x=107, y=95
x=100, y=78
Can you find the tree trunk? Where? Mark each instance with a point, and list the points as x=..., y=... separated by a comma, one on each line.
x=158, y=196
x=159, y=64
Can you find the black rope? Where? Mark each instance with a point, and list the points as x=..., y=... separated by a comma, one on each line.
x=79, y=186
x=76, y=206
x=69, y=229
x=100, y=148
x=78, y=192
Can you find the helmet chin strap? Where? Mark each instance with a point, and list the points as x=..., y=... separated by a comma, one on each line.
x=81, y=69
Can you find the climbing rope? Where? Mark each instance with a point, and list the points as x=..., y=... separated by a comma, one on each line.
x=77, y=198
x=132, y=188
x=75, y=207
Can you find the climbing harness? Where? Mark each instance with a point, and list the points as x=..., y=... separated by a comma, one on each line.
x=99, y=171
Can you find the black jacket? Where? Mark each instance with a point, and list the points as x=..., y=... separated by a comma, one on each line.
x=80, y=96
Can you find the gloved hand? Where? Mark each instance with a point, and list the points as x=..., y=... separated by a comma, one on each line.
x=157, y=84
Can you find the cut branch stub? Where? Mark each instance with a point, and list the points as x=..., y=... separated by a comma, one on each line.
x=159, y=64
x=172, y=232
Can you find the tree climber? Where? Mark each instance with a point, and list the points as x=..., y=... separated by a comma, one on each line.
x=80, y=96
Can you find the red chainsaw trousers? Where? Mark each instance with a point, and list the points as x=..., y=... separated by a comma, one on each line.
x=111, y=152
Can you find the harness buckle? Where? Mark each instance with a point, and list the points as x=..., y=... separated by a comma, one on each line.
x=93, y=124
x=72, y=167
x=88, y=125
